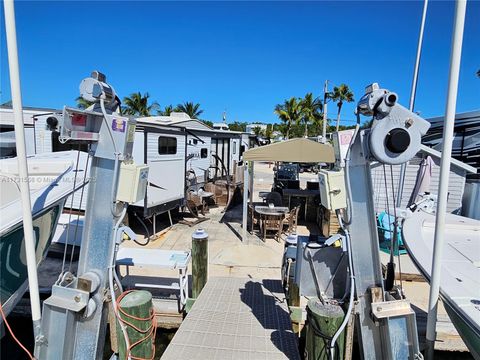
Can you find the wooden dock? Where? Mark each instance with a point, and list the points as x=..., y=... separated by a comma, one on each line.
x=236, y=318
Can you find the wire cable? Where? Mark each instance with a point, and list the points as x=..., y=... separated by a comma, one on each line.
x=146, y=229
x=352, y=289
x=105, y=115
x=13, y=335
x=69, y=216
x=395, y=227
x=347, y=173
x=78, y=215
x=113, y=202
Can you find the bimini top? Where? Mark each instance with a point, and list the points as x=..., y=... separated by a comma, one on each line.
x=298, y=150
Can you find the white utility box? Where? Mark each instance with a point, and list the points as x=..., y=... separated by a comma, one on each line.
x=132, y=183
x=332, y=189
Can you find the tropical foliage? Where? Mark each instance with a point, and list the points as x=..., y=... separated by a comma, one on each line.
x=238, y=126
x=290, y=113
x=189, y=108
x=311, y=110
x=341, y=94
x=257, y=130
x=166, y=111
x=138, y=105
x=82, y=103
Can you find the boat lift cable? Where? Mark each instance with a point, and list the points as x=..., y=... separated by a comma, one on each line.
x=390, y=266
x=395, y=238
x=78, y=214
x=69, y=218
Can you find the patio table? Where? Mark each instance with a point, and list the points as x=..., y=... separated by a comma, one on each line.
x=275, y=212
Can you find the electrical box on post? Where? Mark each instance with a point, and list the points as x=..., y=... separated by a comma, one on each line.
x=111, y=135
x=332, y=189
x=132, y=183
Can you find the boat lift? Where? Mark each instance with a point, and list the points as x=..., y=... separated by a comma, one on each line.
x=385, y=321
x=74, y=320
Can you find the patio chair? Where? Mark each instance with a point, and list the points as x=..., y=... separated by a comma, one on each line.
x=254, y=220
x=274, y=223
x=291, y=221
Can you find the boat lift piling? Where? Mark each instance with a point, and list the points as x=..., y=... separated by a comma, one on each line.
x=24, y=184
x=455, y=56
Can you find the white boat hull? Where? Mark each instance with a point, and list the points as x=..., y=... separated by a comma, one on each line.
x=460, y=273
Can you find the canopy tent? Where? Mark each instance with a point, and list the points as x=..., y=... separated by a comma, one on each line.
x=299, y=150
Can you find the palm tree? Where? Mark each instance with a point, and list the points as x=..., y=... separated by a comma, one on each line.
x=311, y=109
x=166, y=111
x=137, y=104
x=340, y=95
x=257, y=130
x=289, y=113
x=82, y=103
x=189, y=108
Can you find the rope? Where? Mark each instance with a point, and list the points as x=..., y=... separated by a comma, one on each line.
x=150, y=332
x=13, y=335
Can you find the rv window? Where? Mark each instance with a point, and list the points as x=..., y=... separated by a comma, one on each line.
x=203, y=153
x=167, y=145
x=234, y=147
x=195, y=141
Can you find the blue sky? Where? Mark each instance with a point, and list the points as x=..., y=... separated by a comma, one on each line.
x=242, y=57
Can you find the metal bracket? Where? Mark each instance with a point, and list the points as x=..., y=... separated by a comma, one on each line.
x=68, y=298
x=387, y=309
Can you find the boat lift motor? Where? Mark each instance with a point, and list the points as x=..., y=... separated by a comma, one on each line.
x=386, y=325
x=74, y=318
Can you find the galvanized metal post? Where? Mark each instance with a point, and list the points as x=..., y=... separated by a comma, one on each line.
x=457, y=40
x=95, y=256
x=364, y=243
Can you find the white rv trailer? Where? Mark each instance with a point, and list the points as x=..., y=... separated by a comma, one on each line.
x=7, y=128
x=210, y=153
x=163, y=149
